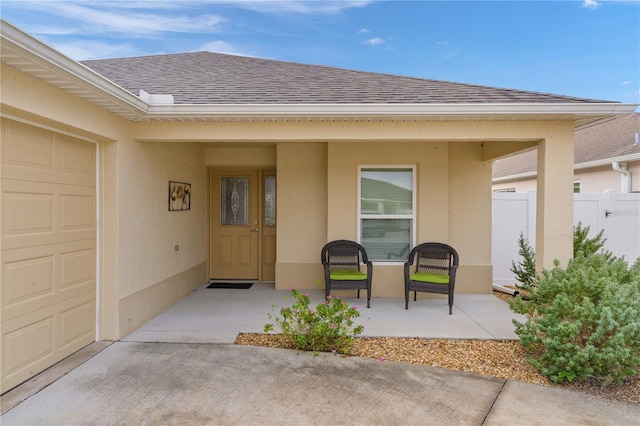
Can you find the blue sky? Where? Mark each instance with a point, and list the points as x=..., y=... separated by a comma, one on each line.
x=583, y=48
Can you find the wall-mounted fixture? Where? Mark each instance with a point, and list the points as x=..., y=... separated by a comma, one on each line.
x=179, y=196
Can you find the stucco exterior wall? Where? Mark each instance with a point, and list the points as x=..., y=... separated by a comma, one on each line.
x=302, y=213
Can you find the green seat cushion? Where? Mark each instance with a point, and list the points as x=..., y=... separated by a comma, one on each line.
x=346, y=275
x=426, y=277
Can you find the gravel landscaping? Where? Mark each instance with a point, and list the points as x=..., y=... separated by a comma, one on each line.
x=504, y=359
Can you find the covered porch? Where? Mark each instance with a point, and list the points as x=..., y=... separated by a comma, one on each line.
x=219, y=315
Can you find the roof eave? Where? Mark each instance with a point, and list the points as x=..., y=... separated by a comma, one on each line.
x=540, y=111
x=577, y=166
x=33, y=57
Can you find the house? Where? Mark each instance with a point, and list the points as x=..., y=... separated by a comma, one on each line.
x=606, y=156
x=267, y=161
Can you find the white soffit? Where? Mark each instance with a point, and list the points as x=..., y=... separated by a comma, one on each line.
x=21, y=51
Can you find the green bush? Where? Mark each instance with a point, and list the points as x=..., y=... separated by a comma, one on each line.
x=525, y=270
x=328, y=327
x=585, y=246
x=584, y=321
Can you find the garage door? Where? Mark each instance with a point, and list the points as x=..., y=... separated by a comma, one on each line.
x=47, y=249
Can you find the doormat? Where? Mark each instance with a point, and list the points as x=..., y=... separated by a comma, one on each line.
x=241, y=286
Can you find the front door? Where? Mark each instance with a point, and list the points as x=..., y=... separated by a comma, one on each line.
x=235, y=225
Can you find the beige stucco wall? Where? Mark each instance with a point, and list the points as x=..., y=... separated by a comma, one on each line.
x=302, y=213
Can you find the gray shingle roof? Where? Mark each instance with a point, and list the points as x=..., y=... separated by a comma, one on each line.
x=214, y=78
x=611, y=139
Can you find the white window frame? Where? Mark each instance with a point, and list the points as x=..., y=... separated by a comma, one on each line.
x=414, y=202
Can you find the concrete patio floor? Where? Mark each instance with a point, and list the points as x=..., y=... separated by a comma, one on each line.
x=218, y=315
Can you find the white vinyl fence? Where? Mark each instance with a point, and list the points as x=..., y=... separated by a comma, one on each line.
x=617, y=213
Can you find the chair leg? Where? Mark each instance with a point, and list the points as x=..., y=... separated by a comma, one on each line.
x=368, y=300
x=415, y=295
x=358, y=293
x=406, y=296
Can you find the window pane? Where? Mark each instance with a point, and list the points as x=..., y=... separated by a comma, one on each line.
x=270, y=201
x=386, y=239
x=386, y=191
x=234, y=202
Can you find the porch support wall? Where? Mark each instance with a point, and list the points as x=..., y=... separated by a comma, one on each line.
x=554, y=225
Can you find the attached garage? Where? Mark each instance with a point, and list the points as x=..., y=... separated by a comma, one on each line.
x=47, y=248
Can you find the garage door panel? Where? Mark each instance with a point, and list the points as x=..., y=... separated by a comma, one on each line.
x=43, y=213
x=26, y=280
x=31, y=344
x=77, y=213
x=27, y=214
x=75, y=160
x=36, y=277
x=77, y=325
x=34, y=154
x=27, y=150
x=77, y=268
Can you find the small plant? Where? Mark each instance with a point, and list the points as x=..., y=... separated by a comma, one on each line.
x=327, y=328
x=585, y=246
x=584, y=321
x=525, y=270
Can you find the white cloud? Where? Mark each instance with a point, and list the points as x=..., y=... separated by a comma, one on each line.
x=297, y=6
x=364, y=31
x=450, y=55
x=443, y=43
x=374, y=41
x=133, y=19
x=627, y=83
x=87, y=50
x=591, y=4
x=222, y=47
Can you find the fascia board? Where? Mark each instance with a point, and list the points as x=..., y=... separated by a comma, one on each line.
x=530, y=111
x=608, y=161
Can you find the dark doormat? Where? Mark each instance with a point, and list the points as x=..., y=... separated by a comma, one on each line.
x=241, y=286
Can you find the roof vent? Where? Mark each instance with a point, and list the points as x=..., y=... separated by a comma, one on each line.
x=156, y=99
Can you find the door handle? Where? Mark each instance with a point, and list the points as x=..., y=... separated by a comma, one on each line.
x=254, y=230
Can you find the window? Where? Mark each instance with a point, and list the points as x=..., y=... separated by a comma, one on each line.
x=576, y=186
x=387, y=212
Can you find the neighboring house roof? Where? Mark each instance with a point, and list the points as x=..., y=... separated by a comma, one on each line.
x=214, y=78
x=595, y=145
x=209, y=86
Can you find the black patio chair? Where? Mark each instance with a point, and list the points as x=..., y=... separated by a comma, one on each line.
x=431, y=268
x=341, y=260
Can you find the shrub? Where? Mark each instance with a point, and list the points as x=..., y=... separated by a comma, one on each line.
x=584, y=321
x=585, y=246
x=328, y=327
x=525, y=270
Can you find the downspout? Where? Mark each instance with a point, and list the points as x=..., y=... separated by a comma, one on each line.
x=625, y=179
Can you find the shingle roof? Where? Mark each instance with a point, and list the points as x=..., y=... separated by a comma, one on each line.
x=214, y=78
x=611, y=139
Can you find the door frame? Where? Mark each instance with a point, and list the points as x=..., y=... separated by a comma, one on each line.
x=261, y=173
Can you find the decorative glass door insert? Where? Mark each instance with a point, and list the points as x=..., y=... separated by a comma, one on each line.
x=234, y=201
